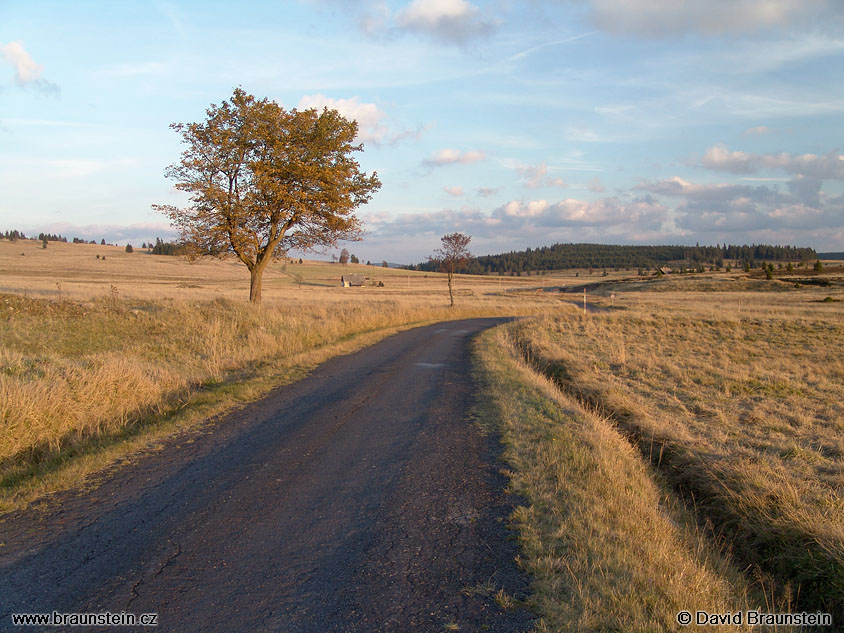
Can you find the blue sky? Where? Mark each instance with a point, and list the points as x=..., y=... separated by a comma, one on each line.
x=518, y=123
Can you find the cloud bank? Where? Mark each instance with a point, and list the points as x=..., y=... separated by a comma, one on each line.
x=829, y=166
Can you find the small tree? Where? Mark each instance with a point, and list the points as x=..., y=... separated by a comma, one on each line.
x=264, y=181
x=818, y=266
x=129, y=248
x=344, y=256
x=354, y=259
x=384, y=264
x=451, y=255
x=44, y=242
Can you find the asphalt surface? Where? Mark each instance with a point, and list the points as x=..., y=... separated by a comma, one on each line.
x=361, y=498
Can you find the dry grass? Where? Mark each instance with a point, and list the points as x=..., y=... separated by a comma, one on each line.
x=72, y=271
x=738, y=399
x=119, y=345
x=607, y=546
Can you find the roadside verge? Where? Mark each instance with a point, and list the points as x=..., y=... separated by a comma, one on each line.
x=606, y=544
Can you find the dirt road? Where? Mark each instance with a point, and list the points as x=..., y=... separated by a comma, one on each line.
x=358, y=499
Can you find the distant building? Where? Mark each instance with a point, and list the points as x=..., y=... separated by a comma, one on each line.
x=352, y=280
x=665, y=270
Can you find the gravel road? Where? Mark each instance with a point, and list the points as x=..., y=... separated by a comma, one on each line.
x=361, y=498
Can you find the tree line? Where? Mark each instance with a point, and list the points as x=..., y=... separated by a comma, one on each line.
x=585, y=256
x=164, y=248
x=14, y=236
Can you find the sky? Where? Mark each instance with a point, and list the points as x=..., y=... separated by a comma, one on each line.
x=520, y=123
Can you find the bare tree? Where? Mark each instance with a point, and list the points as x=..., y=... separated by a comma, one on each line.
x=451, y=255
x=344, y=256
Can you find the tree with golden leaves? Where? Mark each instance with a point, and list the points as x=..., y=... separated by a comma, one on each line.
x=451, y=255
x=264, y=180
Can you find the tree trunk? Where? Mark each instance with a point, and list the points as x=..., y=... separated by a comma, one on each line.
x=256, y=274
x=450, y=293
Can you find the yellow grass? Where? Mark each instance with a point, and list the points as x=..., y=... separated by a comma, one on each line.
x=93, y=350
x=72, y=271
x=607, y=546
x=738, y=399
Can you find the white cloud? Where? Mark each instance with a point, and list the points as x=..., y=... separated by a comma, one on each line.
x=451, y=156
x=657, y=18
x=455, y=191
x=450, y=21
x=720, y=158
x=372, y=121
x=829, y=166
x=535, y=176
x=518, y=209
x=27, y=71
x=532, y=175
x=615, y=215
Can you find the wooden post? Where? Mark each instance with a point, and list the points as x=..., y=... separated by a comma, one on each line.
x=584, y=299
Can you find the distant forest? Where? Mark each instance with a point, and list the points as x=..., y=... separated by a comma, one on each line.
x=14, y=236
x=835, y=255
x=605, y=256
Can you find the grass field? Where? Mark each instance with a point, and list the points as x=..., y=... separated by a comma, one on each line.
x=73, y=271
x=98, y=354
x=608, y=547
x=681, y=448
x=730, y=392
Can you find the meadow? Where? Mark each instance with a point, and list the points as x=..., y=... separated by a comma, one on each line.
x=679, y=447
x=697, y=426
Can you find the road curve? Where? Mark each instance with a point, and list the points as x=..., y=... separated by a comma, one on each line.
x=358, y=499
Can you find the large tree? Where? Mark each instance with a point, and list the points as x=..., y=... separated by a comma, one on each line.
x=264, y=180
x=451, y=255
